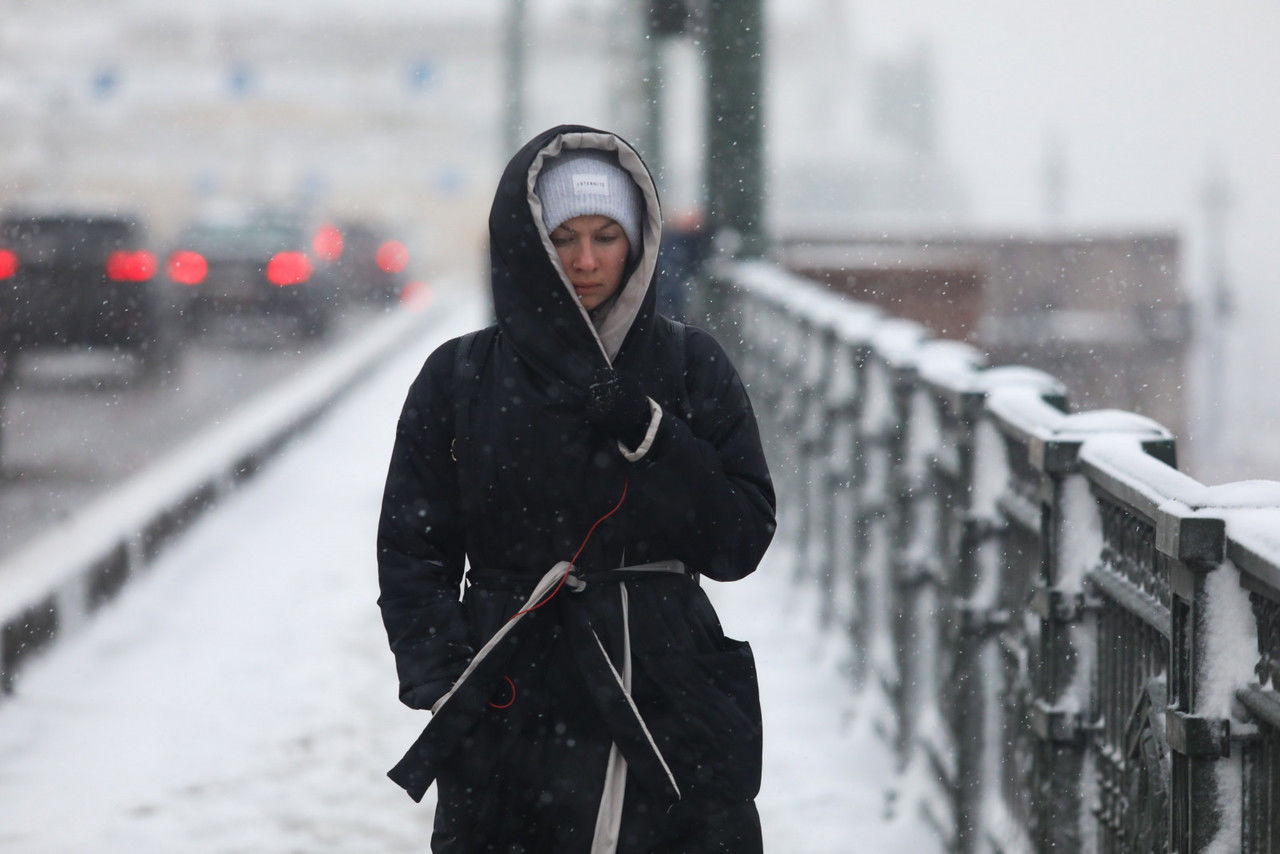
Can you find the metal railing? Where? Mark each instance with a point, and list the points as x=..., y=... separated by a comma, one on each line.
x=1080, y=643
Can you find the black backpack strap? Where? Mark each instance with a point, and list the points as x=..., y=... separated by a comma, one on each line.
x=686, y=400
x=682, y=359
x=468, y=361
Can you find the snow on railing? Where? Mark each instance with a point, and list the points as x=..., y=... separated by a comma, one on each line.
x=51, y=586
x=1081, y=642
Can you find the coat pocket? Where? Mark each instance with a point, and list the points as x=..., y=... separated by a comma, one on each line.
x=706, y=720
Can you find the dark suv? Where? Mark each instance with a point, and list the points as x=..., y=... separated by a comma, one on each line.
x=72, y=279
x=373, y=264
x=264, y=263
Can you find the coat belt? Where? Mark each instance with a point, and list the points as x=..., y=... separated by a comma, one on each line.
x=505, y=579
x=616, y=705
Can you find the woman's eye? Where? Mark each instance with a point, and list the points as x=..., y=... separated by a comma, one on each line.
x=606, y=238
x=561, y=241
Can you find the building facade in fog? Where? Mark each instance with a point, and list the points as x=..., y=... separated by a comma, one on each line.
x=1105, y=312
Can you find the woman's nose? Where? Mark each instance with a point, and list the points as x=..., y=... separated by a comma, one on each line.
x=586, y=259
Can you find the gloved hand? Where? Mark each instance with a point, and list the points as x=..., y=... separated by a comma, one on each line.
x=617, y=405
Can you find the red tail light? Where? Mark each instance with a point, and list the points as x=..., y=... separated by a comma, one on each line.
x=8, y=263
x=124, y=266
x=327, y=243
x=186, y=267
x=415, y=295
x=392, y=257
x=288, y=268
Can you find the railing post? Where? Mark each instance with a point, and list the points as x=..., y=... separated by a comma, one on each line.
x=1259, y=696
x=979, y=615
x=1194, y=545
x=982, y=483
x=1126, y=632
x=863, y=509
x=793, y=417
x=925, y=566
x=830, y=477
x=904, y=587
x=972, y=627
x=813, y=441
x=842, y=406
x=1057, y=717
x=883, y=505
x=959, y=688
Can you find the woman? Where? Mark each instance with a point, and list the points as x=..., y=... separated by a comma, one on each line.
x=590, y=459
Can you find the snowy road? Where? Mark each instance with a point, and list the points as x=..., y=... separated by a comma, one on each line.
x=241, y=697
x=79, y=422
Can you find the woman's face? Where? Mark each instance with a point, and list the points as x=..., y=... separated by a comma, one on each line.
x=593, y=251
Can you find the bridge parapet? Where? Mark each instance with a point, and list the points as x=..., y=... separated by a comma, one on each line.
x=1078, y=641
x=56, y=583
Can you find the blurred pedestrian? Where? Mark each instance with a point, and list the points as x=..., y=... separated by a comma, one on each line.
x=684, y=249
x=590, y=460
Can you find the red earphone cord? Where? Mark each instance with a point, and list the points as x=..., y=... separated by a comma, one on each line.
x=560, y=583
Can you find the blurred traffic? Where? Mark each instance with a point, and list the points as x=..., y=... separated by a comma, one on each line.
x=92, y=278
x=261, y=263
x=116, y=343
x=84, y=278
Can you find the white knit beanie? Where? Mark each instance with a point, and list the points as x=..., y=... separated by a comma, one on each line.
x=585, y=181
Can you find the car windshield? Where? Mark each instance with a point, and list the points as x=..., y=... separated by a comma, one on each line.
x=251, y=238
x=41, y=238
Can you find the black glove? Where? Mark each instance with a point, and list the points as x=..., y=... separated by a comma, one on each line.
x=617, y=405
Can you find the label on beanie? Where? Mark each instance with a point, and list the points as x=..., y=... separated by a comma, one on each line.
x=590, y=185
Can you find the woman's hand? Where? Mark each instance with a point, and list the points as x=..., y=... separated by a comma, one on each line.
x=617, y=405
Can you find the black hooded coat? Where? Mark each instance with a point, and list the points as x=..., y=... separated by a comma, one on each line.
x=619, y=674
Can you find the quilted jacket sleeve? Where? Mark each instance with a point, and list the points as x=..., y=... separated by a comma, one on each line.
x=420, y=542
x=704, y=484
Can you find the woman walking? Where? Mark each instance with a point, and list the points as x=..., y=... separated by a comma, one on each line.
x=590, y=460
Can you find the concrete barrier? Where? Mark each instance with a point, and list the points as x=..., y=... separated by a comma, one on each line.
x=54, y=584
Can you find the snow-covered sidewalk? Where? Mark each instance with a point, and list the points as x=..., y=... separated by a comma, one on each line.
x=241, y=697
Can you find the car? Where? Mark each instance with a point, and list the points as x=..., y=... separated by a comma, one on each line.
x=371, y=263
x=266, y=263
x=85, y=278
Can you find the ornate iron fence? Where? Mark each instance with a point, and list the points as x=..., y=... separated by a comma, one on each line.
x=1080, y=642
